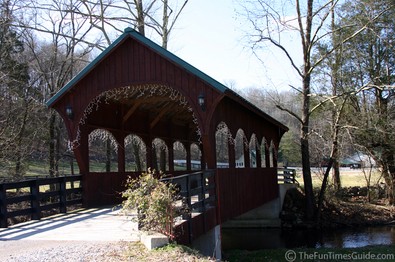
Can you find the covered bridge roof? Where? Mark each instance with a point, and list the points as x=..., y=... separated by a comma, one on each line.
x=131, y=33
x=137, y=87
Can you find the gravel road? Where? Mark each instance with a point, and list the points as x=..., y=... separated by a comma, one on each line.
x=61, y=251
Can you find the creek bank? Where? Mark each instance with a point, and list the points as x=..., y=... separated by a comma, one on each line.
x=348, y=210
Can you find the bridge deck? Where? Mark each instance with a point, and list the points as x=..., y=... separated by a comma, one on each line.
x=95, y=224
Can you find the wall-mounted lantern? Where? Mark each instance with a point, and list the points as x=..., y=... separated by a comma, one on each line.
x=202, y=101
x=69, y=112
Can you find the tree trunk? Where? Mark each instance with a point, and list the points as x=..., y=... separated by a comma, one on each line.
x=140, y=17
x=162, y=159
x=323, y=189
x=19, y=142
x=307, y=180
x=154, y=158
x=52, y=121
x=57, y=146
x=304, y=142
x=389, y=177
x=332, y=159
x=165, y=33
x=336, y=173
x=108, y=155
x=305, y=115
x=335, y=85
x=136, y=152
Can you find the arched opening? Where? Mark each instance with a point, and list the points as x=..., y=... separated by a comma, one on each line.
x=160, y=155
x=196, y=156
x=159, y=107
x=135, y=154
x=253, y=149
x=222, y=136
x=240, y=141
x=103, y=156
x=180, y=156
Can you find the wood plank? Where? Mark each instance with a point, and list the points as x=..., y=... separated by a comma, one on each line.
x=160, y=115
x=131, y=111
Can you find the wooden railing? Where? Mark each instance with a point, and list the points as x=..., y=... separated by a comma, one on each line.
x=286, y=176
x=197, y=189
x=198, y=192
x=32, y=197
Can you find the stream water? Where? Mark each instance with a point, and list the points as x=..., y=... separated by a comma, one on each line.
x=255, y=239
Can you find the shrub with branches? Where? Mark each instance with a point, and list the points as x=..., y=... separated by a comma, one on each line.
x=155, y=201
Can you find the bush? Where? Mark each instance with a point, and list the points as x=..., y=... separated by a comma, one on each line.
x=155, y=202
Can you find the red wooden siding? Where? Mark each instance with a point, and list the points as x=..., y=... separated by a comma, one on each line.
x=242, y=189
x=104, y=188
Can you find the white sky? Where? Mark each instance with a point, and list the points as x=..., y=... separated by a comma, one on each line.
x=209, y=36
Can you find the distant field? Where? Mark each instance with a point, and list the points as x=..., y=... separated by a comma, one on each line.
x=348, y=177
x=40, y=168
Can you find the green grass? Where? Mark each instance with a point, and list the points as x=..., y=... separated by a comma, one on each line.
x=40, y=168
x=172, y=252
x=369, y=253
x=348, y=178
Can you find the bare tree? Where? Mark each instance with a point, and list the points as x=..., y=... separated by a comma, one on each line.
x=309, y=21
x=56, y=60
x=73, y=30
x=108, y=16
x=16, y=96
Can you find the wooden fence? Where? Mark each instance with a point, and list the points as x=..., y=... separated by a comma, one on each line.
x=286, y=176
x=33, y=197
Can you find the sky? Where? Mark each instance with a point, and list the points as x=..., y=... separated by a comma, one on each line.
x=209, y=35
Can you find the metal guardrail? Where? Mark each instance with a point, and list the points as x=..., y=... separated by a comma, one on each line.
x=286, y=176
x=25, y=198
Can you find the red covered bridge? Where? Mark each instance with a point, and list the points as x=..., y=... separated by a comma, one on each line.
x=137, y=91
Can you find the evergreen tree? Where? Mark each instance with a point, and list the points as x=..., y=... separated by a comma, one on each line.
x=14, y=93
x=370, y=69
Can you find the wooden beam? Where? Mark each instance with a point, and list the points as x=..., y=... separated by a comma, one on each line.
x=160, y=115
x=131, y=111
x=138, y=102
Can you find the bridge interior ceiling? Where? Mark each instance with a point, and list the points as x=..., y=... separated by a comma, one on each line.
x=164, y=114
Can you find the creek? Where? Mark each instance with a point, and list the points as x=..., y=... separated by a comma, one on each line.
x=271, y=238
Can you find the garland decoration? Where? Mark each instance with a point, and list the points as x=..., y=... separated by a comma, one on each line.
x=132, y=92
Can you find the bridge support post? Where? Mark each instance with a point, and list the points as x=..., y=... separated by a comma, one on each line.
x=209, y=244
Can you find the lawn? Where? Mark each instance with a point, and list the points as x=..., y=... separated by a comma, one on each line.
x=348, y=177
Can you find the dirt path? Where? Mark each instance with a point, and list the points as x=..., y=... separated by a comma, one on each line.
x=41, y=250
x=83, y=235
